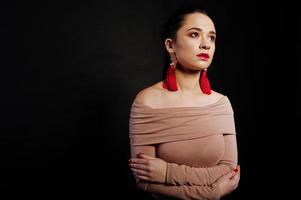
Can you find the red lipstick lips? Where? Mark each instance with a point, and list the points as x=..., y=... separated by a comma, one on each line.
x=203, y=56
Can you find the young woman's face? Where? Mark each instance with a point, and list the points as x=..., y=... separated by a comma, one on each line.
x=195, y=42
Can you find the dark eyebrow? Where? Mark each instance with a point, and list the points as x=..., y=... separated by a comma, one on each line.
x=198, y=29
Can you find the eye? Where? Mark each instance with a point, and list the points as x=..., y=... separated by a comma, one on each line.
x=212, y=38
x=194, y=35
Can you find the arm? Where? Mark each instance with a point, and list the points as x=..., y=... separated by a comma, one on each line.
x=186, y=175
x=224, y=186
x=185, y=191
x=157, y=170
x=182, y=192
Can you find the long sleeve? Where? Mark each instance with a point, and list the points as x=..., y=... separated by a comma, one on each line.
x=180, y=192
x=158, y=132
x=186, y=175
x=184, y=191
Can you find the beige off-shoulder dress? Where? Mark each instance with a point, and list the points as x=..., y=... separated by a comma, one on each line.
x=198, y=144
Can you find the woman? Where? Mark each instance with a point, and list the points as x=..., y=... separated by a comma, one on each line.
x=183, y=139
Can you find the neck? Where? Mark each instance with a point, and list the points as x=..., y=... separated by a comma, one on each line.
x=188, y=82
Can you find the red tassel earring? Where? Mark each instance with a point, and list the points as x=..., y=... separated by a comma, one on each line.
x=170, y=81
x=204, y=82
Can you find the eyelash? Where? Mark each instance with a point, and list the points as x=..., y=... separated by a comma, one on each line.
x=193, y=34
x=212, y=38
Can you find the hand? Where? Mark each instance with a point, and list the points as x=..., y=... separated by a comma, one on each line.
x=149, y=168
x=229, y=181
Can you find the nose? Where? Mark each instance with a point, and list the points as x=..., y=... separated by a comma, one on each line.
x=205, y=43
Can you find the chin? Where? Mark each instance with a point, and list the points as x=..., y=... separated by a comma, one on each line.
x=202, y=67
x=196, y=66
x=203, y=64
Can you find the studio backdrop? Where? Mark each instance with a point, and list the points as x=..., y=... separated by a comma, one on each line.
x=70, y=71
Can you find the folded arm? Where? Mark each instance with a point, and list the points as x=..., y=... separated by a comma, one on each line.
x=186, y=175
x=182, y=192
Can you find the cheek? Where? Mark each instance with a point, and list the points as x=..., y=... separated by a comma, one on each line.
x=190, y=46
x=212, y=50
x=186, y=44
x=187, y=49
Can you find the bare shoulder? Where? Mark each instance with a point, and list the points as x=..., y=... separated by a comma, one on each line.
x=151, y=95
x=156, y=96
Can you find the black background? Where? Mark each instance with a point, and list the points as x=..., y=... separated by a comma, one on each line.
x=70, y=71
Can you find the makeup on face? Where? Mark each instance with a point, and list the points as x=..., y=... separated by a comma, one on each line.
x=195, y=43
x=203, y=56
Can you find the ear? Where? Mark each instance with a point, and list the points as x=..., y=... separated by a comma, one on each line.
x=169, y=45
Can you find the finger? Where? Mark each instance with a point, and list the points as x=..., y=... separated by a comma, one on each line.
x=235, y=175
x=237, y=171
x=140, y=172
x=235, y=186
x=138, y=161
x=145, y=178
x=236, y=178
x=233, y=183
x=139, y=166
x=231, y=174
x=141, y=155
x=237, y=181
